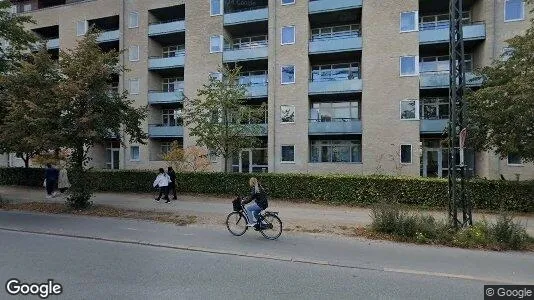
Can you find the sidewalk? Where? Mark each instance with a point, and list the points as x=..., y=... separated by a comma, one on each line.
x=213, y=210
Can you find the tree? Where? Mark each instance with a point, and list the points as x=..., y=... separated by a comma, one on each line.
x=31, y=113
x=90, y=112
x=190, y=159
x=501, y=114
x=219, y=117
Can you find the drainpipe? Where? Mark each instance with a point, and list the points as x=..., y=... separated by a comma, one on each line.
x=272, y=119
x=122, y=18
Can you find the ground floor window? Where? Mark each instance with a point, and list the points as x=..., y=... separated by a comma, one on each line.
x=251, y=161
x=349, y=151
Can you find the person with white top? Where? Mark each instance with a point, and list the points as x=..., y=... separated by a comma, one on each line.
x=162, y=181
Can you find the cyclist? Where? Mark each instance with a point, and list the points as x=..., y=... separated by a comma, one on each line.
x=257, y=193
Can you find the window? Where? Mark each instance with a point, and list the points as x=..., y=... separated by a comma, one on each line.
x=81, y=28
x=442, y=63
x=216, y=7
x=133, y=20
x=134, y=153
x=287, y=2
x=27, y=6
x=133, y=53
x=171, y=117
x=336, y=151
x=514, y=10
x=336, y=32
x=216, y=43
x=288, y=154
x=334, y=112
x=288, y=35
x=409, y=109
x=287, y=113
x=173, y=51
x=441, y=21
x=409, y=21
x=409, y=66
x=514, y=159
x=134, y=86
x=288, y=74
x=172, y=84
x=166, y=147
x=507, y=52
x=406, y=154
x=216, y=75
x=435, y=108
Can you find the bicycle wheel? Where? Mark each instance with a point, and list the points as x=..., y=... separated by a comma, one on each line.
x=273, y=228
x=236, y=223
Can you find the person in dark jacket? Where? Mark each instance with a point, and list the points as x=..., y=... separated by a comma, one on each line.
x=172, y=184
x=259, y=196
x=51, y=177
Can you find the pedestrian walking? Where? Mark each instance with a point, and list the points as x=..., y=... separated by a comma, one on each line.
x=51, y=178
x=63, y=180
x=172, y=184
x=162, y=182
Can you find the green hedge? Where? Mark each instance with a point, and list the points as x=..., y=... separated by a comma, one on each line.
x=332, y=189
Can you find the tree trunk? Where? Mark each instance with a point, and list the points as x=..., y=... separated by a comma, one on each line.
x=26, y=159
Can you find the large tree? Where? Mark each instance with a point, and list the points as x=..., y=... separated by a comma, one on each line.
x=219, y=117
x=31, y=112
x=501, y=113
x=90, y=113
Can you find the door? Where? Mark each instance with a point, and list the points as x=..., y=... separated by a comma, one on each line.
x=432, y=163
x=245, y=159
x=115, y=159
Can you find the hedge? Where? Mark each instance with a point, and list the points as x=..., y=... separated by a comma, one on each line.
x=331, y=189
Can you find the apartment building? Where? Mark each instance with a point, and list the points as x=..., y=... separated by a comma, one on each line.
x=351, y=86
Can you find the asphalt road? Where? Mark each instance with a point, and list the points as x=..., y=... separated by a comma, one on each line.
x=104, y=258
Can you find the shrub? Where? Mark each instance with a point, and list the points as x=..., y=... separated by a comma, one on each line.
x=508, y=234
x=386, y=217
x=330, y=189
x=475, y=236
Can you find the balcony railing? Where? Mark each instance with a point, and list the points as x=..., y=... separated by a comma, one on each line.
x=320, y=6
x=429, y=80
x=108, y=36
x=252, y=14
x=250, y=48
x=335, y=126
x=438, y=32
x=433, y=126
x=165, y=97
x=163, y=131
x=158, y=62
x=166, y=27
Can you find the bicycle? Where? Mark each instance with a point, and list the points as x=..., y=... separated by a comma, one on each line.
x=269, y=224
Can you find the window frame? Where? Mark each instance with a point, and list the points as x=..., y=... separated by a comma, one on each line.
x=411, y=154
x=281, y=114
x=282, y=154
x=282, y=75
x=522, y=12
x=221, y=10
x=221, y=43
x=131, y=80
x=521, y=164
x=416, y=21
x=85, y=27
x=417, y=118
x=136, y=14
x=130, y=52
x=416, y=63
x=138, y=153
x=282, y=35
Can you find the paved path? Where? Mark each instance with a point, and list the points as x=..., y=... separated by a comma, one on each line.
x=109, y=258
x=215, y=209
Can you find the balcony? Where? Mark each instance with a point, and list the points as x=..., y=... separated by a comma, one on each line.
x=436, y=80
x=159, y=63
x=321, y=6
x=335, y=86
x=248, y=16
x=436, y=33
x=257, y=129
x=161, y=131
x=337, y=126
x=333, y=45
x=433, y=126
x=163, y=28
x=108, y=36
x=257, y=91
x=158, y=97
x=52, y=44
x=245, y=54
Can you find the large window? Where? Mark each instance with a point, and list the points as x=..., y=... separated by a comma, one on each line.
x=335, y=72
x=409, y=109
x=172, y=51
x=288, y=153
x=334, y=111
x=409, y=66
x=81, y=28
x=288, y=74
x=514, y=159
x=442, y=63
x=287, y=114
x=134, y=153
x=335, y=32
x=172, y=84
x=288, y=35
x=172, y=117
x=133, y=20
x=336, y=151
x=406, y=154
x=216, y=7
x=435, y=108
x=514, y=10
x=408, y=21
x=248, y=42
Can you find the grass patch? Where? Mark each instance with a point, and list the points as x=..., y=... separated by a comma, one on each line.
x=393, y=222
x=102, y=211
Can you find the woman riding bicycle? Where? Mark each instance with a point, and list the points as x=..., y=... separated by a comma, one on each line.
x=259, y=196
